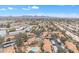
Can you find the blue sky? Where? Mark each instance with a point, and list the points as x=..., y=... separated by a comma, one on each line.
x=65, y=10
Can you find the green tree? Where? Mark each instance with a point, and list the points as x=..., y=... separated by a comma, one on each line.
x=1, y=40
x=19, y=42
x=23, y=36
x=20, y=38
x=8, y=25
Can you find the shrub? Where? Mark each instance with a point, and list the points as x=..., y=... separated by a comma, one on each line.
x=12, y=30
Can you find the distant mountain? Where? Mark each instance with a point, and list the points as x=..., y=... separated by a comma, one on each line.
x=27, y=17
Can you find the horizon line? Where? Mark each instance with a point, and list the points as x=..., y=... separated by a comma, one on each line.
x=50, y=15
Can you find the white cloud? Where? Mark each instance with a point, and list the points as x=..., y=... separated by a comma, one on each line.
x=25, y=8
x=2, y=9
x=10, y=8
x=35, y=7
x=30, y=8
